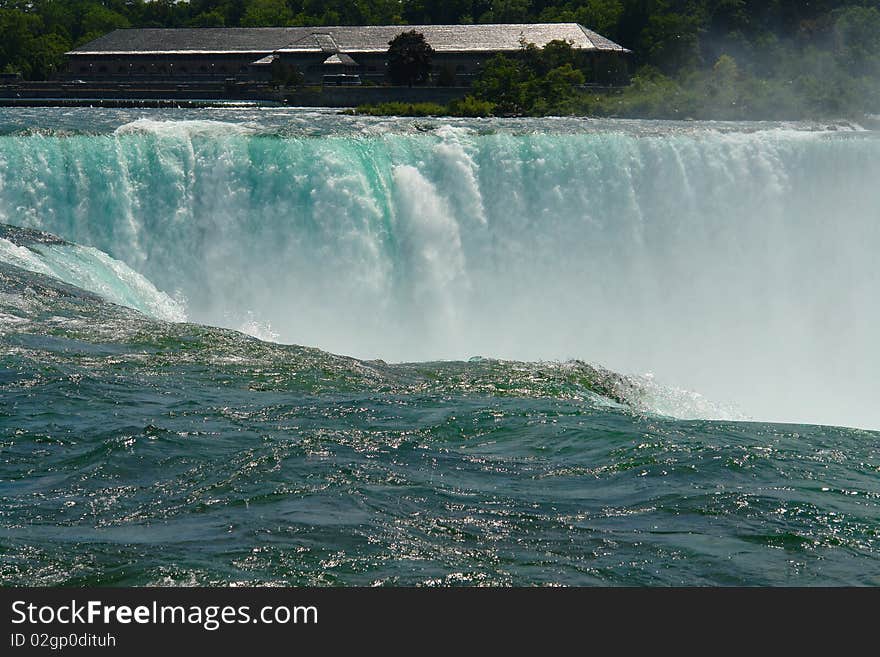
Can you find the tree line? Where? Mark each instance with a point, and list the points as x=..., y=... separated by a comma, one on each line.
x=690, y=57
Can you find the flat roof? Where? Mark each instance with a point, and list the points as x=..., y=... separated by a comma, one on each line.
x=349, y=39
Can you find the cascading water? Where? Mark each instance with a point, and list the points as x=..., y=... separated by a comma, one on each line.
x=89, y=269
x=734, y=261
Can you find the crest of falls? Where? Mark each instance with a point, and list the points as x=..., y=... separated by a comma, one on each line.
x=89, y=269
x=738, y=263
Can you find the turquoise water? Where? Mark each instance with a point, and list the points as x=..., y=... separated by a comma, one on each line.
x=622, y=309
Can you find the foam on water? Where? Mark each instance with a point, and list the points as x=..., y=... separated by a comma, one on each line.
x=94, y=271
x=186, y=129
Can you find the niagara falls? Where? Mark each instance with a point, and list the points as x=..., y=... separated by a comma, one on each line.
x=274, y=346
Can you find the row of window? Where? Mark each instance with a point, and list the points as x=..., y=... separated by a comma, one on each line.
x=162, y=69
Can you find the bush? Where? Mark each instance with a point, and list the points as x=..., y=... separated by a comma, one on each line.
x=402, y=109
x=470, y=106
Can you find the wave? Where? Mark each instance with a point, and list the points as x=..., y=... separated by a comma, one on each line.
x=737, y=263
x=89, y=269
x=185, y=129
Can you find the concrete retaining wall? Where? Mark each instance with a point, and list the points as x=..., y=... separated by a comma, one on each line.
x=354, y=96
x=69, y=93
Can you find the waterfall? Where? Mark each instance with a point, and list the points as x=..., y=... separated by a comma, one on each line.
x=737, y=263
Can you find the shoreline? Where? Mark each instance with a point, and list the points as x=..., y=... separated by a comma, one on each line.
x=135, y=103
x=868, y=123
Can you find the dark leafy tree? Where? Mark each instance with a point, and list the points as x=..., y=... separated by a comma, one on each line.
x=409, y=58
x=503, y=83
x=857, y=38
x=208, y=19
x=267, y=13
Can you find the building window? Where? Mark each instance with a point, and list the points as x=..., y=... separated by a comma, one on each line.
x=371, y=68
x=460, y=68
x=203, y=68
x=120, y=69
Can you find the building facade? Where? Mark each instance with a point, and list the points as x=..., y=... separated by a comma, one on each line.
x=252, y=54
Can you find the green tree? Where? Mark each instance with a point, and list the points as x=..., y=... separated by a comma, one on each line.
x=379, y=12
x=671, y=41
x=100, y=20
x=507, y=11
x=208, y=19
x=602, y=16
x=409, y=58
x=857, y=38
x=558, y=86
x=723, y=88
x=439, y=11
x=559, y=53
x=502, y=82
x=18, y=29
x=46, y=55
x=267, y=13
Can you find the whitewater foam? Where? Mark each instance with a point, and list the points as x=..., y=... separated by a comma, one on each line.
x=94, y=271
x=185, y=129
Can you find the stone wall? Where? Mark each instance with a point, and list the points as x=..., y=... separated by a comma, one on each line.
x=354, y=96
x=314, y=96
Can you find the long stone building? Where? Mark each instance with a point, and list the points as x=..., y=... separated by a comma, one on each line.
x=250, y=54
